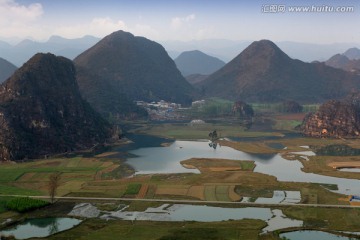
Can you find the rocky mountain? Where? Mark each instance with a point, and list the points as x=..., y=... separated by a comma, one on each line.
x=69, y=48
x=264, y=73
x=122, y=66
x=338, y=61
x=352, y=53
x=339, y=119
x=197, y=62
x=341, y=61
x=6, y=69
x=42, y=112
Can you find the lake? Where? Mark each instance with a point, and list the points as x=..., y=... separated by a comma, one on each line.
x=150, y=160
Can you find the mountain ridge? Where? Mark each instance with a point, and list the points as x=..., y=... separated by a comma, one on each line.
x=264, y=73
x=6, y=69
x=132, y=67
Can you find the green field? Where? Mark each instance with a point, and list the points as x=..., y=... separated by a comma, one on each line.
x=101, y=177
x=185, y=131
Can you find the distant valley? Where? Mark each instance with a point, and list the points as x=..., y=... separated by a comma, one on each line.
x=197, y=62
x=121, y=73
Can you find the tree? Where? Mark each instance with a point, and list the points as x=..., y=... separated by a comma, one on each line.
x=54, y=183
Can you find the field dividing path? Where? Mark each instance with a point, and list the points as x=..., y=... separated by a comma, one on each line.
x=248, y=204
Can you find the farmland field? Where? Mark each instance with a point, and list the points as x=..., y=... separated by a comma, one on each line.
x=219, y=180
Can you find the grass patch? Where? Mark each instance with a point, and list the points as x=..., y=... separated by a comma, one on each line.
x=25, y=204
x=246, y=191
x=210, y=193
x=185, y=131
x=2, y=205
x=133, y=188
x=286, y=124
x=11, y=190
x=193, y=233
x=247, y=165
x=9, y=174
x=94, y=229
x=334, y=219
x=222, y=193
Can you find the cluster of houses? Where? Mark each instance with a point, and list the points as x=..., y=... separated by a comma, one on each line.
x=162, y=110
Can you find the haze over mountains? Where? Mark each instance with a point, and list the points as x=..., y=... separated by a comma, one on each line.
x=130, y=67
x=197, y=62
x=348, y=61
x=220, y=48
x=264, y=73
x=6, y=69
x=42, y=112
x=23, y=51
x=352, y=53
x=226, y=50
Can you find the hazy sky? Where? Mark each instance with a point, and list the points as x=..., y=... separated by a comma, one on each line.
x=180, y=19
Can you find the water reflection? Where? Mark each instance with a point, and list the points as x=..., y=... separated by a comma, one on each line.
x=41, y=227
x=213, y=139
x=183, y=212
x=167, y=160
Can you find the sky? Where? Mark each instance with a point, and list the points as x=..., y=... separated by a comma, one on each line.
x=183, y=20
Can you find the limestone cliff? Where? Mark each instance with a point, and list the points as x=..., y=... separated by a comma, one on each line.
x=42, y=112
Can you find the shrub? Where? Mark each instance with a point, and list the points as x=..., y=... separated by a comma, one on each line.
x=133, y=188
x=25, y=204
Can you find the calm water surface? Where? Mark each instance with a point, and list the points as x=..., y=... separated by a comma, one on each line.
x=182, y=212
x=41, y=227
x=318, y=235
x=167, y=160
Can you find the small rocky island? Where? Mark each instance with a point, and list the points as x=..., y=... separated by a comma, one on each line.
x=42, y=112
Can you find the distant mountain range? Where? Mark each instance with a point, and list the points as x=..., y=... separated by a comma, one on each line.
x=24, y=50
x=197, y=62
x=220, y=48
x=122, y=66
x=352, y=53
x=348, y=61
x=264, y=73
x=42, y=112
x=226, y=50
x=6, y=69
